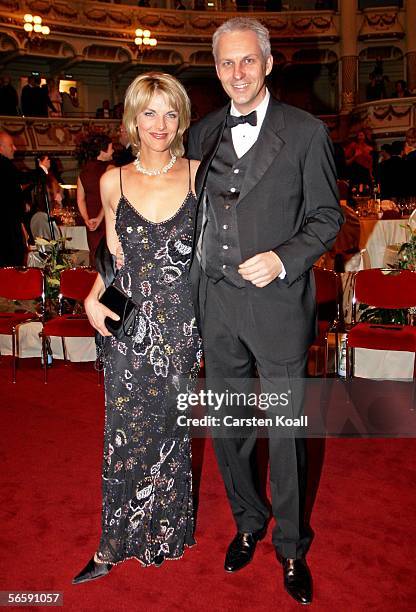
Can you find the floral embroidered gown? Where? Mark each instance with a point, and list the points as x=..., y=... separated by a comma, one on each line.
x=147, y=481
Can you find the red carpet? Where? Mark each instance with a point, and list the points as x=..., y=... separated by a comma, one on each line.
x=362, y=556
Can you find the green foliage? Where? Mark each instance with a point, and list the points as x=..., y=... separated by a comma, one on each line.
x=406, y=261
x=55, y=260
x=407, y=252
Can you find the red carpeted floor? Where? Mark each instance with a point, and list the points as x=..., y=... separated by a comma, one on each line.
x=362, y=557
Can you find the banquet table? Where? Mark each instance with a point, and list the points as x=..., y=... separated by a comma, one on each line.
x=78, y=349
x=77, y=235
x=377, y=236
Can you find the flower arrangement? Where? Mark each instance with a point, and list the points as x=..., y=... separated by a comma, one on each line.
x=55, y=260
x=406, y=261
x=407, y=251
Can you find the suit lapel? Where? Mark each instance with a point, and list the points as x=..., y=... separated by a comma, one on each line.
x=209, y=148
x=269, y=144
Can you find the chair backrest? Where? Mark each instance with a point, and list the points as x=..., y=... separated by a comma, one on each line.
x=21, y=283
x=326, y=282
x=385, y=288
x=76, y=283
x=327, y=293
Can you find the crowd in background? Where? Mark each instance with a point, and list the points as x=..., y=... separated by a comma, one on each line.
x=390, y=171
x=37, y=99
x=379, y=85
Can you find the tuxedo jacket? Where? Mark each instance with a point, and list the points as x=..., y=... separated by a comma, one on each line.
x=12, y=246
x=288, y=204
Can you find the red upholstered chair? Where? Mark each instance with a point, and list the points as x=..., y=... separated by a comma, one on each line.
x=20, y=284
x=328, y=305
x=75, y=284
x=382, y=289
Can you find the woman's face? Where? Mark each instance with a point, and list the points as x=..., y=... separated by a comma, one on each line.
x=361, y=137
x=157, y=124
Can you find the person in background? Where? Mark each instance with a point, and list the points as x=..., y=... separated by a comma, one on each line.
x=409, y=156
x=391, y=171
x=400, y=90
x=359, y=160
x=9, y=100
x=118, y=111
x=28, y=98
x=55, y=98
x=124, y=154
x=70, y=103
x=105, y=111
x=46, y=106
x=98, y=150
x=39, y=220
x=12, y=237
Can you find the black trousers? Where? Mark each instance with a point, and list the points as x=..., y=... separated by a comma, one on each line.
x=233, y=352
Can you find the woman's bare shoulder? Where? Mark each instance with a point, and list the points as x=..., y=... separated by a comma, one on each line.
x=110, y=176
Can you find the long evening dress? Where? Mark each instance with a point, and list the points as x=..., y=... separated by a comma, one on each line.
x=147, y=479
x=90, y=178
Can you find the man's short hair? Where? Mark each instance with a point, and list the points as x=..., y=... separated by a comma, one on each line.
x=243, y=24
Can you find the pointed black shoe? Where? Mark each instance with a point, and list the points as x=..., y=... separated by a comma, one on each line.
x=92, y=571
x=241, y=550
x=297, y=579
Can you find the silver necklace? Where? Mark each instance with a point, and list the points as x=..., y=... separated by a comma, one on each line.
x=155, y=171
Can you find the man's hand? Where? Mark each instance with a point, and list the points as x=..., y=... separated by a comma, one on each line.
x=261, y=269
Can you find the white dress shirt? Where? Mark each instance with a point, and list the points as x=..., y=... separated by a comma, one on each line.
x=245, y=135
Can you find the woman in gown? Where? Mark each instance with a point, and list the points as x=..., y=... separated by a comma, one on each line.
x=99, y=151
x=149, y=209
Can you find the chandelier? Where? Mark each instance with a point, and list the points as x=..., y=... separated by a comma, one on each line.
x=143, y=39
x=32, y=25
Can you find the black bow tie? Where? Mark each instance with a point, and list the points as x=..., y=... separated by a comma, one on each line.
x=251, y=118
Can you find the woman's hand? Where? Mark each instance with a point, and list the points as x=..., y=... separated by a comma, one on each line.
x=92, y=224
x=97, y=312
x=119, y=257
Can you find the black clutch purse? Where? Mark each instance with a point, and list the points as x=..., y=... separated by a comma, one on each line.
x=124, y=307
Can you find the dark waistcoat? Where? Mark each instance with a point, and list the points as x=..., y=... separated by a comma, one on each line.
x=221, y=254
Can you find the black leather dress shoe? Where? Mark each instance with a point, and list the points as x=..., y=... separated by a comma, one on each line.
x=297, y=579
x=158, y=560
x=241, y=550
x=92, y=571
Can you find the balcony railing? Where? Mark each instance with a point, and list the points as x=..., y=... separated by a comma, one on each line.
x=234, y=5
x=58, y=136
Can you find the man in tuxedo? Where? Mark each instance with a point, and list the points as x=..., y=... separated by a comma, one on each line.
x=12, y=239
x=267, y=210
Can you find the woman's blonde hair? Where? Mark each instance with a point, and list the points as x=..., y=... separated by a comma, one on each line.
x=138, y=96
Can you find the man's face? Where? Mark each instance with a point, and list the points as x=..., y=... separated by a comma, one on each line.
x=7, y=147
x=242, y=69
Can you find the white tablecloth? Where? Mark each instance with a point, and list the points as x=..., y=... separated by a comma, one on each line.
x=78, y=349
x=78, y=235
x=377, y=234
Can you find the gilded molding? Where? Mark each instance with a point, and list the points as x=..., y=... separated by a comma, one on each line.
x=376, y=24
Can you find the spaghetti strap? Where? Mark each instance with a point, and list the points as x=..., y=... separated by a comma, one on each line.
x=121, y=185
x=190, y=182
